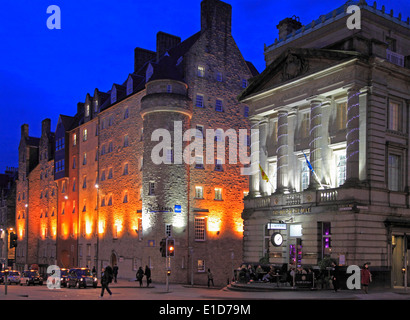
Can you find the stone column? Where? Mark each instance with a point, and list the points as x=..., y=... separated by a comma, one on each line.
x=352, y=136
x=263, y=154
x=315, y=142
x=254, y=190
x=282, y=152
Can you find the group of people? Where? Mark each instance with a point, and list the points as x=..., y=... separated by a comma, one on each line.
x=140, y=275
x=248, y=273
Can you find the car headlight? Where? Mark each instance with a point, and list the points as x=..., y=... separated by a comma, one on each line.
x=95, y=279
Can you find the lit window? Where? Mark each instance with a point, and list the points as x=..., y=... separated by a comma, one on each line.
x=201, y=71
x=305, y=175
x=199, y=227
x=218, y=194
x=341, y=115
x=199, y=192
x=201, y=266
x=85, y=135
x=74, y=139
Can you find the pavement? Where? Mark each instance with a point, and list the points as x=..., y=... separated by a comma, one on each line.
x=130, y=290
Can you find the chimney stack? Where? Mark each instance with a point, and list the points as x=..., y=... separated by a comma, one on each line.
x=216, y=15
x=141, y=56
x=287, y=26
x=24, y=131
x=46, y=126
x=165, y=42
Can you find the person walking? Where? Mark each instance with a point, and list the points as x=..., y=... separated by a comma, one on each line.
x=148, y=275
x=104, y=282
x=140, y=275
x=366, y=277
x=115, y=273
x=335, y=277
x=210, y=278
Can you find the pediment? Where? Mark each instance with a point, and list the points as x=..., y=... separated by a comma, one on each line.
x=294, y=64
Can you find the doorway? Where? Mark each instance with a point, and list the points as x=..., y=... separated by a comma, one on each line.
x=399, y=259
x=113, y=259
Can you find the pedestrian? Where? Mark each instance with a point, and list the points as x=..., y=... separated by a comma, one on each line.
x=366, y=277
x=94, y=272
x=105, y=282
x=109, y=272
x=115, y=273
x=210, y=278
x=335, y=277
x=148, y=275
x=140, y=275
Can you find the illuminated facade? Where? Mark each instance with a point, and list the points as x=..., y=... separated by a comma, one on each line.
x=339, y=99
x=112, y=203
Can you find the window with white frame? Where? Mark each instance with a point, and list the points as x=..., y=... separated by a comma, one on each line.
x=199, y=192
x=340, y=168
x=305, y=175
x=199, y=228
x=218, y=193
x=394, y=172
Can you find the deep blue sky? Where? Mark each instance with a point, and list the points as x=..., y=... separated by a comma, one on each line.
x=44, y=73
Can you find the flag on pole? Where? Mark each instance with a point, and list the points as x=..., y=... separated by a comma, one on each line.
x=311, y=168
x=264, y=175
x=308, y=163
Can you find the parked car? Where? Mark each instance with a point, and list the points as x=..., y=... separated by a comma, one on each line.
x=81, y=277
x=31, y=277
x=13, y=277
x=63, y=275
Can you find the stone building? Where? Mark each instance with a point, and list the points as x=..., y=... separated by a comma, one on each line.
x=114, y=202
x=338, y=98
x=7, y=215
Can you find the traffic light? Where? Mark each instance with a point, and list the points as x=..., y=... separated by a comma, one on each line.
x=170, y=247
x=13, y=240
x=162, y=248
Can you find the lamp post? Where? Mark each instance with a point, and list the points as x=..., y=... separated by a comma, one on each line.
x=98, y=224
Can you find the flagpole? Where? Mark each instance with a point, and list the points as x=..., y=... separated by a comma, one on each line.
x=311, y=168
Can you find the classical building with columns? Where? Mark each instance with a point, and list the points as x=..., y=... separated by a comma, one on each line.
x=332, y=109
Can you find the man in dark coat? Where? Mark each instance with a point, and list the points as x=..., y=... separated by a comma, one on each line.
x=105, y=280
x=336, y=277
x=148, y=275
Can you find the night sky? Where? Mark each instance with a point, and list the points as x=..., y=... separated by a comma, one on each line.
x=45, y=72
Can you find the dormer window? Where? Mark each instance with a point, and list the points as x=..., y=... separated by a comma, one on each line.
x=149, y=72
x=87, y=110
x=129, y=85
x=113, y=94
x=95, y=106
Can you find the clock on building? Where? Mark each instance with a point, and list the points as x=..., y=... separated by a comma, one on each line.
x=277, y=239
